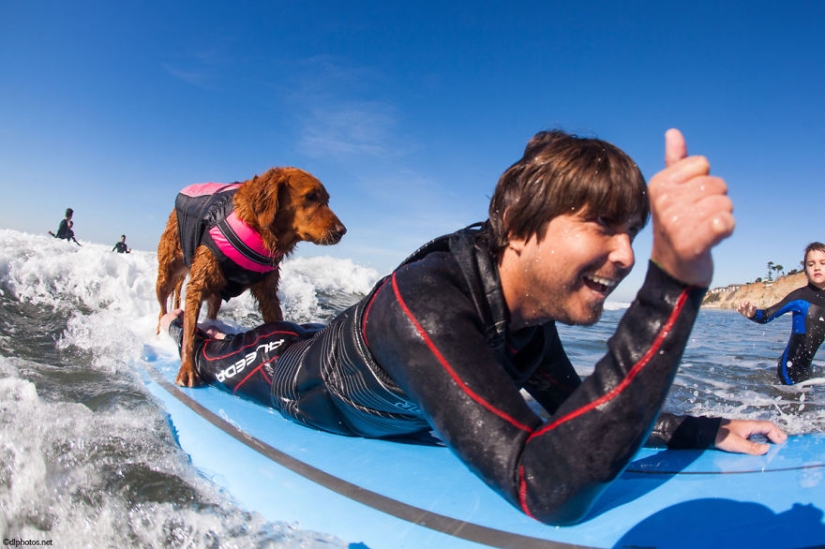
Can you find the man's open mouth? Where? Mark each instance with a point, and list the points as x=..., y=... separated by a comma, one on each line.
x=599, y=284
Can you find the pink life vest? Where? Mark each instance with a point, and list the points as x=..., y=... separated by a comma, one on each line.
x=206, y=217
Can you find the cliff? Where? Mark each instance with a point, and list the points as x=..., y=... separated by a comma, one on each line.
x=761, y=294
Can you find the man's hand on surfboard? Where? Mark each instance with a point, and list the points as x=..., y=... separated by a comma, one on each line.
x=734, y=436
x=168, y=318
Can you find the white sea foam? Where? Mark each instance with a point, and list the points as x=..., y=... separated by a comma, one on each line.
x=111, y=300
x=87, y=458
x=80, y=477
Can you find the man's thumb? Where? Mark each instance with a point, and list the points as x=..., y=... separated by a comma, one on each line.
x=675, y=147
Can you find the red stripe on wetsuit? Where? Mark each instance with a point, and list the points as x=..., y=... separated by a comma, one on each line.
x=613, y=393
x=260, y=366
x=634, y=371
x=446, y=365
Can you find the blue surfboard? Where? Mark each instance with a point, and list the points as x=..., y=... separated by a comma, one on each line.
x=380, y=494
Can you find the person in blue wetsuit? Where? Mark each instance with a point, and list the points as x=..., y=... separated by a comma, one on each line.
x=807, y=304
x=446, y=342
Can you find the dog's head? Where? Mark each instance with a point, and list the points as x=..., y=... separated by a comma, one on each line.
x=286, y=206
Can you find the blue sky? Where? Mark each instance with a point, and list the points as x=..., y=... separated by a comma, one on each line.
x=408, y=112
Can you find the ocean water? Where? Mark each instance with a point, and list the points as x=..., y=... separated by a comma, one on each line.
x=88, y=459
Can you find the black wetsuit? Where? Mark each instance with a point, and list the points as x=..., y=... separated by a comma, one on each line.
x=430, y=349
x=63, y=230
x=807, y=333
x=121, y=248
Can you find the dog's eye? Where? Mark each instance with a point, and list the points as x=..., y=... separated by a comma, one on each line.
x=312, y=197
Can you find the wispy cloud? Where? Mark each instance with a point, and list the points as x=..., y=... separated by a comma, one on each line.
x=340, y=111
x=200, y=68
x=346, y=116
x=196, y=77
x=347, y=130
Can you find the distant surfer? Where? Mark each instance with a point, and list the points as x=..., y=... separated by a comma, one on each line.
x=807, y=304
x=447, y=341
x=121, y=247
x=64, y=230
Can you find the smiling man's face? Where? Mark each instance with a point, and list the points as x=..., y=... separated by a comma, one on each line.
x=568, y=274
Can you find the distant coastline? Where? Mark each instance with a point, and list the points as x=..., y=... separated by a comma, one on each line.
x=762, y=294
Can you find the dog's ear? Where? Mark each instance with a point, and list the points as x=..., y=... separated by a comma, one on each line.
x=259, y=200
x=268, y=199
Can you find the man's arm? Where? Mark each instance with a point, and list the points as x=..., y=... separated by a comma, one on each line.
x=691, y=214
x=555, y=379
x=433, y=348
x=552, y=471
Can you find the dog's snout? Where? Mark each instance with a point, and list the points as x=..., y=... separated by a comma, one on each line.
x=334, y=234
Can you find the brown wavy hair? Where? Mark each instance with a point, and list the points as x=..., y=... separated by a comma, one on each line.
x=563, y=173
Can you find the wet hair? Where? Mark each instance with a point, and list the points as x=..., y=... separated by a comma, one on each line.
x=563, y=173
x=813, y=246
x=69, y=212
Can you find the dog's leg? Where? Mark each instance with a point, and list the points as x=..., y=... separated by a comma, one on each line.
x=178, y=293
x=204, y=277
x=171, y=268
x=163, y=297
x=213, y=302
x=169, y=281
x=187, y=376
x=266, y=293
x=162, y=290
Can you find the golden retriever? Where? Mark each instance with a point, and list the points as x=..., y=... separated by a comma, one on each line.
x=234, y=237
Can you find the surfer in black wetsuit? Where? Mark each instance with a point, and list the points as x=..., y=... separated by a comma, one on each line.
x=807, y=304
x=64, y=230
x=121, y=247
x=448, y=340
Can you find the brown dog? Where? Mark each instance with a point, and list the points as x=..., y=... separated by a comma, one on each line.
x=230, y=238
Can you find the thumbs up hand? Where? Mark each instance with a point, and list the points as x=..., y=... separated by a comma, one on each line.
x=691, y=213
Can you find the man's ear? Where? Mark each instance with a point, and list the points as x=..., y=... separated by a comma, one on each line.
x=516, y=244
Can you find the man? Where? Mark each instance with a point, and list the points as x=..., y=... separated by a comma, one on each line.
x=64, y=230
x=446, y=342
x=121, y=247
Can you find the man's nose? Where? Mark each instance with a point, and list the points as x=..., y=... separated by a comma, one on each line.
x=622, y=252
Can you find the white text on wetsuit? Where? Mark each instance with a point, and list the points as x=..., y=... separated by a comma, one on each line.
x=249, y=358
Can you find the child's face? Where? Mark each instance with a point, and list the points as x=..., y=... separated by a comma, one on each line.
x=815, y=268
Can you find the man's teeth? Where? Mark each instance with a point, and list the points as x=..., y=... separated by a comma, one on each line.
x=606, y=282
